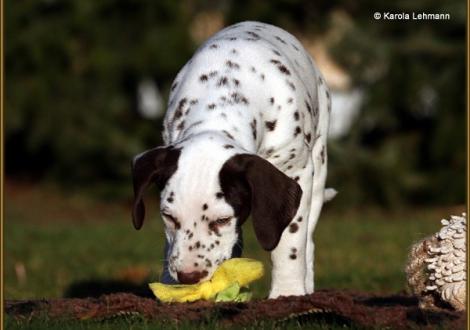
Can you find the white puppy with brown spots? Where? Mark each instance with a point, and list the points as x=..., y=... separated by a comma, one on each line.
x=245, y=133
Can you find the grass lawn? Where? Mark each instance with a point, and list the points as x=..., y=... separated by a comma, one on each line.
x=55, y=243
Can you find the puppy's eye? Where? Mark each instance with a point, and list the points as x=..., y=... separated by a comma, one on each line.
x=172, y=220
x=223, y=221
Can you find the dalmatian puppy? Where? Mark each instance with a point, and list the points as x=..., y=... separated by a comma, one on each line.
x=245, y=134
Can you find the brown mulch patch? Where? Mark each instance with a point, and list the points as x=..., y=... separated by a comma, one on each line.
x=344, y=307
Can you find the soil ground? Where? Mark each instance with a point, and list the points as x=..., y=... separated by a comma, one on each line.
x=352, y=309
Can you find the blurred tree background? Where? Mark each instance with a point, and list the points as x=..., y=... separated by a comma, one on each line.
x=72, y=70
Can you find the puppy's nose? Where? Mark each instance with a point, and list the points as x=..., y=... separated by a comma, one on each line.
x=191, y=278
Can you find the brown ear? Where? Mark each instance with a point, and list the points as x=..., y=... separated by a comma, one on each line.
x=152, y=166
x=274, y=197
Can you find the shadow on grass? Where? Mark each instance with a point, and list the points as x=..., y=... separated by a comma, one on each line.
x=95, y=288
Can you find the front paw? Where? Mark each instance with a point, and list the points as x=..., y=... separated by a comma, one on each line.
x=296, y=290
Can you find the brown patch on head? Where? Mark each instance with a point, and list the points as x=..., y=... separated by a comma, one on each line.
x=248, y=182
x=205, y=207
x=154, y=166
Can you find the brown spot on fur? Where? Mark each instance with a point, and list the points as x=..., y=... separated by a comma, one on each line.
x=308, y=137
x=232, y=65
x=297, y=131
x=270, y=125
x=290, y=84
x=284, y=69
x=253, y=128
x=280, y=39
x=180, y=126
x=228, y=146
x=230, y=136
x=253, y=34
x=293, y=227
x=222, y=81
x=309, y=108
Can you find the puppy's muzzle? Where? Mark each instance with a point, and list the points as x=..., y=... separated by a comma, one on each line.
x=191, y=278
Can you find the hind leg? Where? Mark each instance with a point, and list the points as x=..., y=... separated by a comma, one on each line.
x=318, y=188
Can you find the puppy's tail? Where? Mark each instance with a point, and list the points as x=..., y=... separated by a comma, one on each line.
x=329, y=194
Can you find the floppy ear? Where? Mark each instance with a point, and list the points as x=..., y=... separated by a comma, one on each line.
x=273, y=196
x=152, y=166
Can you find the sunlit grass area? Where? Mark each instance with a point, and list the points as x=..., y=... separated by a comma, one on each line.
x=57, y=245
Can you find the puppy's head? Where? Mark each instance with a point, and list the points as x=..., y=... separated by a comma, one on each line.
x=209, y=187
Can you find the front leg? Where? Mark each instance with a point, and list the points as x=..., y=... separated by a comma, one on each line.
x=166, y=278
x=288, y=258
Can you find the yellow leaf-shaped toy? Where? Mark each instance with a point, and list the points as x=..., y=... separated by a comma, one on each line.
x=241, y=271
